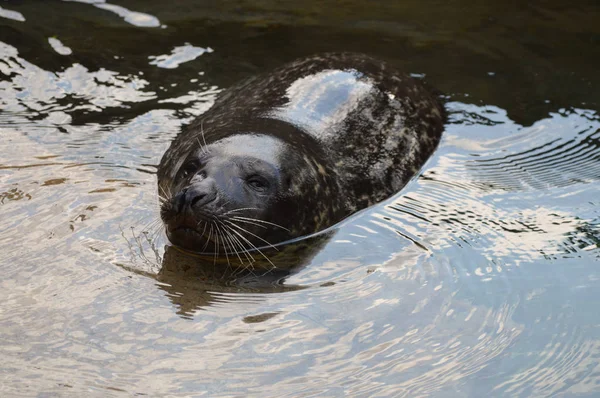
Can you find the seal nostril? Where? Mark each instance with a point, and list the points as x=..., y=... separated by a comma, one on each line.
x=197, y=198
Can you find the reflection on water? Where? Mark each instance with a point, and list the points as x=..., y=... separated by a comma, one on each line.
x=479, y=278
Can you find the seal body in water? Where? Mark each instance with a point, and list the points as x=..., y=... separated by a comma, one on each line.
x=295, y=151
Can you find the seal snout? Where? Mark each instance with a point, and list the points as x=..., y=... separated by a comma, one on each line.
x=196, y=196
x=199, y=197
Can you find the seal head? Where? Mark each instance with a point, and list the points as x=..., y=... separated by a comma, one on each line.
x=239, y=192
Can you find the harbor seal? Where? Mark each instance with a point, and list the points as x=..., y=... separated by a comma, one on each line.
x=295, y=151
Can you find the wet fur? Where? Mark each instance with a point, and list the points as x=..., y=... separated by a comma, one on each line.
x=341, y=131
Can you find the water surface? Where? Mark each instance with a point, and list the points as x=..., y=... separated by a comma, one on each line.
x=479, y=278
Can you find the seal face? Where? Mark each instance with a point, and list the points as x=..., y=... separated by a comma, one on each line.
x=240, y=192
x=294, y=152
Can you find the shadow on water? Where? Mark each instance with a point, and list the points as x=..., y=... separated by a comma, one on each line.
x=193, y=281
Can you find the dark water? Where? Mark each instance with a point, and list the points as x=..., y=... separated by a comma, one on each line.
x=480, y=278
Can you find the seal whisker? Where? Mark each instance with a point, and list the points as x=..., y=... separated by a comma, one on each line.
x=227, y=234
x=240, y=209
x=152, y=224
x=252, y=245
x=249, y=222
x=224, y=244
x=204, y=229
x=202, y=133
x=200, y=145
x=245, y=251
x=257, y=220
x=155, y=228
x=216, y=242
x=165, y=195
x=152, y=230
x=162, y=200
x=222, y=206
x=248, y=232
x=208, y=239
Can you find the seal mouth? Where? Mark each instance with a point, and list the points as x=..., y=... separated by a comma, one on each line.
x=186, y=230
x=189, y=238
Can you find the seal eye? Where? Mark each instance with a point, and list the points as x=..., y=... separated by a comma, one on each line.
x=258, y=183
x=188, y=169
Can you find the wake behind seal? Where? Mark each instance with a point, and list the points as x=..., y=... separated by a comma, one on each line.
x=293, y=152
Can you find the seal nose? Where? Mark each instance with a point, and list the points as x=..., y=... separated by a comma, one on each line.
x=201, y=194
x=201, y=199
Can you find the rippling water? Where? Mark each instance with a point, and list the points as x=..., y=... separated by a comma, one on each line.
x=479, y=278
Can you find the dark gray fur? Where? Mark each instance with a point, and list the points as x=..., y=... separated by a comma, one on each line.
x=363, y=128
